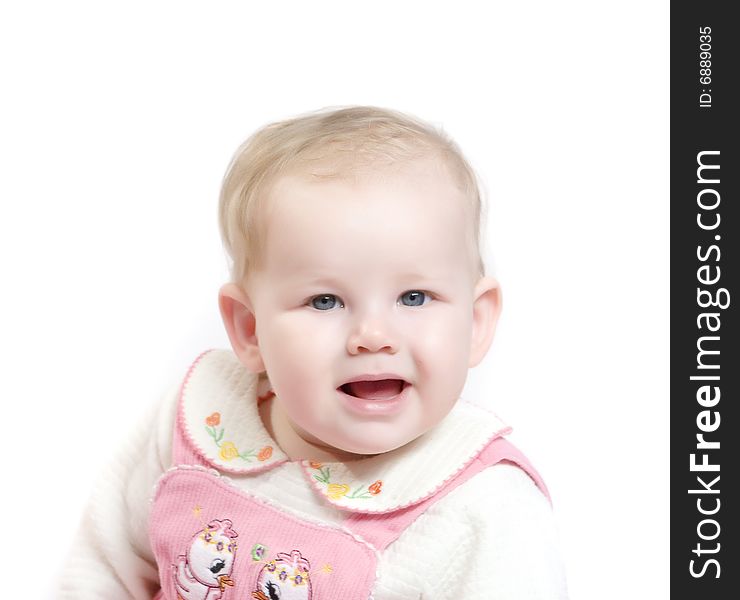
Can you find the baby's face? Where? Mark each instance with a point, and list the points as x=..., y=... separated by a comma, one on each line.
x=370, y=281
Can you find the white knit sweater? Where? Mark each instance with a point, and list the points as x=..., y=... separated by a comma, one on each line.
x=491, y=538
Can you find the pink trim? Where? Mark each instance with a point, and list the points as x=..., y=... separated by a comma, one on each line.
x=185, y=450
x=358, y=508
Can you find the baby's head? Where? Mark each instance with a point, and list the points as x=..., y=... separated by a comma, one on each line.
x=357, y=281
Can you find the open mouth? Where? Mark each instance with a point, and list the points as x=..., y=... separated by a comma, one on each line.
x=382, y=389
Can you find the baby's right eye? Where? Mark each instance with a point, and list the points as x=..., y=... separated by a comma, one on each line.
x=325, y=302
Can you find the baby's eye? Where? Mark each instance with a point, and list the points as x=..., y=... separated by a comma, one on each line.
x=414, y=298
x=325, y=302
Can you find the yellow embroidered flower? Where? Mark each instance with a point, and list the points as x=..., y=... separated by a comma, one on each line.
x=336, y=490
x=228, y=451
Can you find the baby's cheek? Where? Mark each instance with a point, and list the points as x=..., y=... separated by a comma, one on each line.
x=301, y=361
x=443, y=353
x=288, y=340
x=441, y=339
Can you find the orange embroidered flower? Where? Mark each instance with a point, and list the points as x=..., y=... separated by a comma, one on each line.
x=228, y=451
x=375, y=487
x=315, y=465
x=265, y=453
x=213, y=420
x=336, y=490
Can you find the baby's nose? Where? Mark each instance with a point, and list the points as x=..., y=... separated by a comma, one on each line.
x=372, y=336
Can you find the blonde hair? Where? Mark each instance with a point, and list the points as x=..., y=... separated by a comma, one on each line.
x=327, y=143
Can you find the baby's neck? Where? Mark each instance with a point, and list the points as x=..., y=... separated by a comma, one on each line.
x=296, y=443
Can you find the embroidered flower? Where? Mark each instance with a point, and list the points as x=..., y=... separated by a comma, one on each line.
x=358, y=493
x=324, y=474
x=265, y=453
x=258, y=551
x=228, y=451
x=337, y=490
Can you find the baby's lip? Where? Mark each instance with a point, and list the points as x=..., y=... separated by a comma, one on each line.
x=374, y=377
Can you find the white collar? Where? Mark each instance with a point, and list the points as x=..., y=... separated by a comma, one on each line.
x=218, y=411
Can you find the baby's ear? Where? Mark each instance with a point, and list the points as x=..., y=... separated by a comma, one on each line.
x=240, y=323
x=486, y=310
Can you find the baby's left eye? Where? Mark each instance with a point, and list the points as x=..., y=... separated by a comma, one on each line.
x=414, y=298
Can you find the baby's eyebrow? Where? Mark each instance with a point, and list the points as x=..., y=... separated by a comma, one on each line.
x=318, y=280
x=416, y=276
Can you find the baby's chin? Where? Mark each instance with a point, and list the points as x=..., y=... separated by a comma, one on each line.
x=369, y=446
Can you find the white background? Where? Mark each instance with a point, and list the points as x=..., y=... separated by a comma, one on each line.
x=118, y=121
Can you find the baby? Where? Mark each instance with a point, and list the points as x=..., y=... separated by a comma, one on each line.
x=328, y=456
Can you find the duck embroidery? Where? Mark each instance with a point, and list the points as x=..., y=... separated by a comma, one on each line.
x=205, y=571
